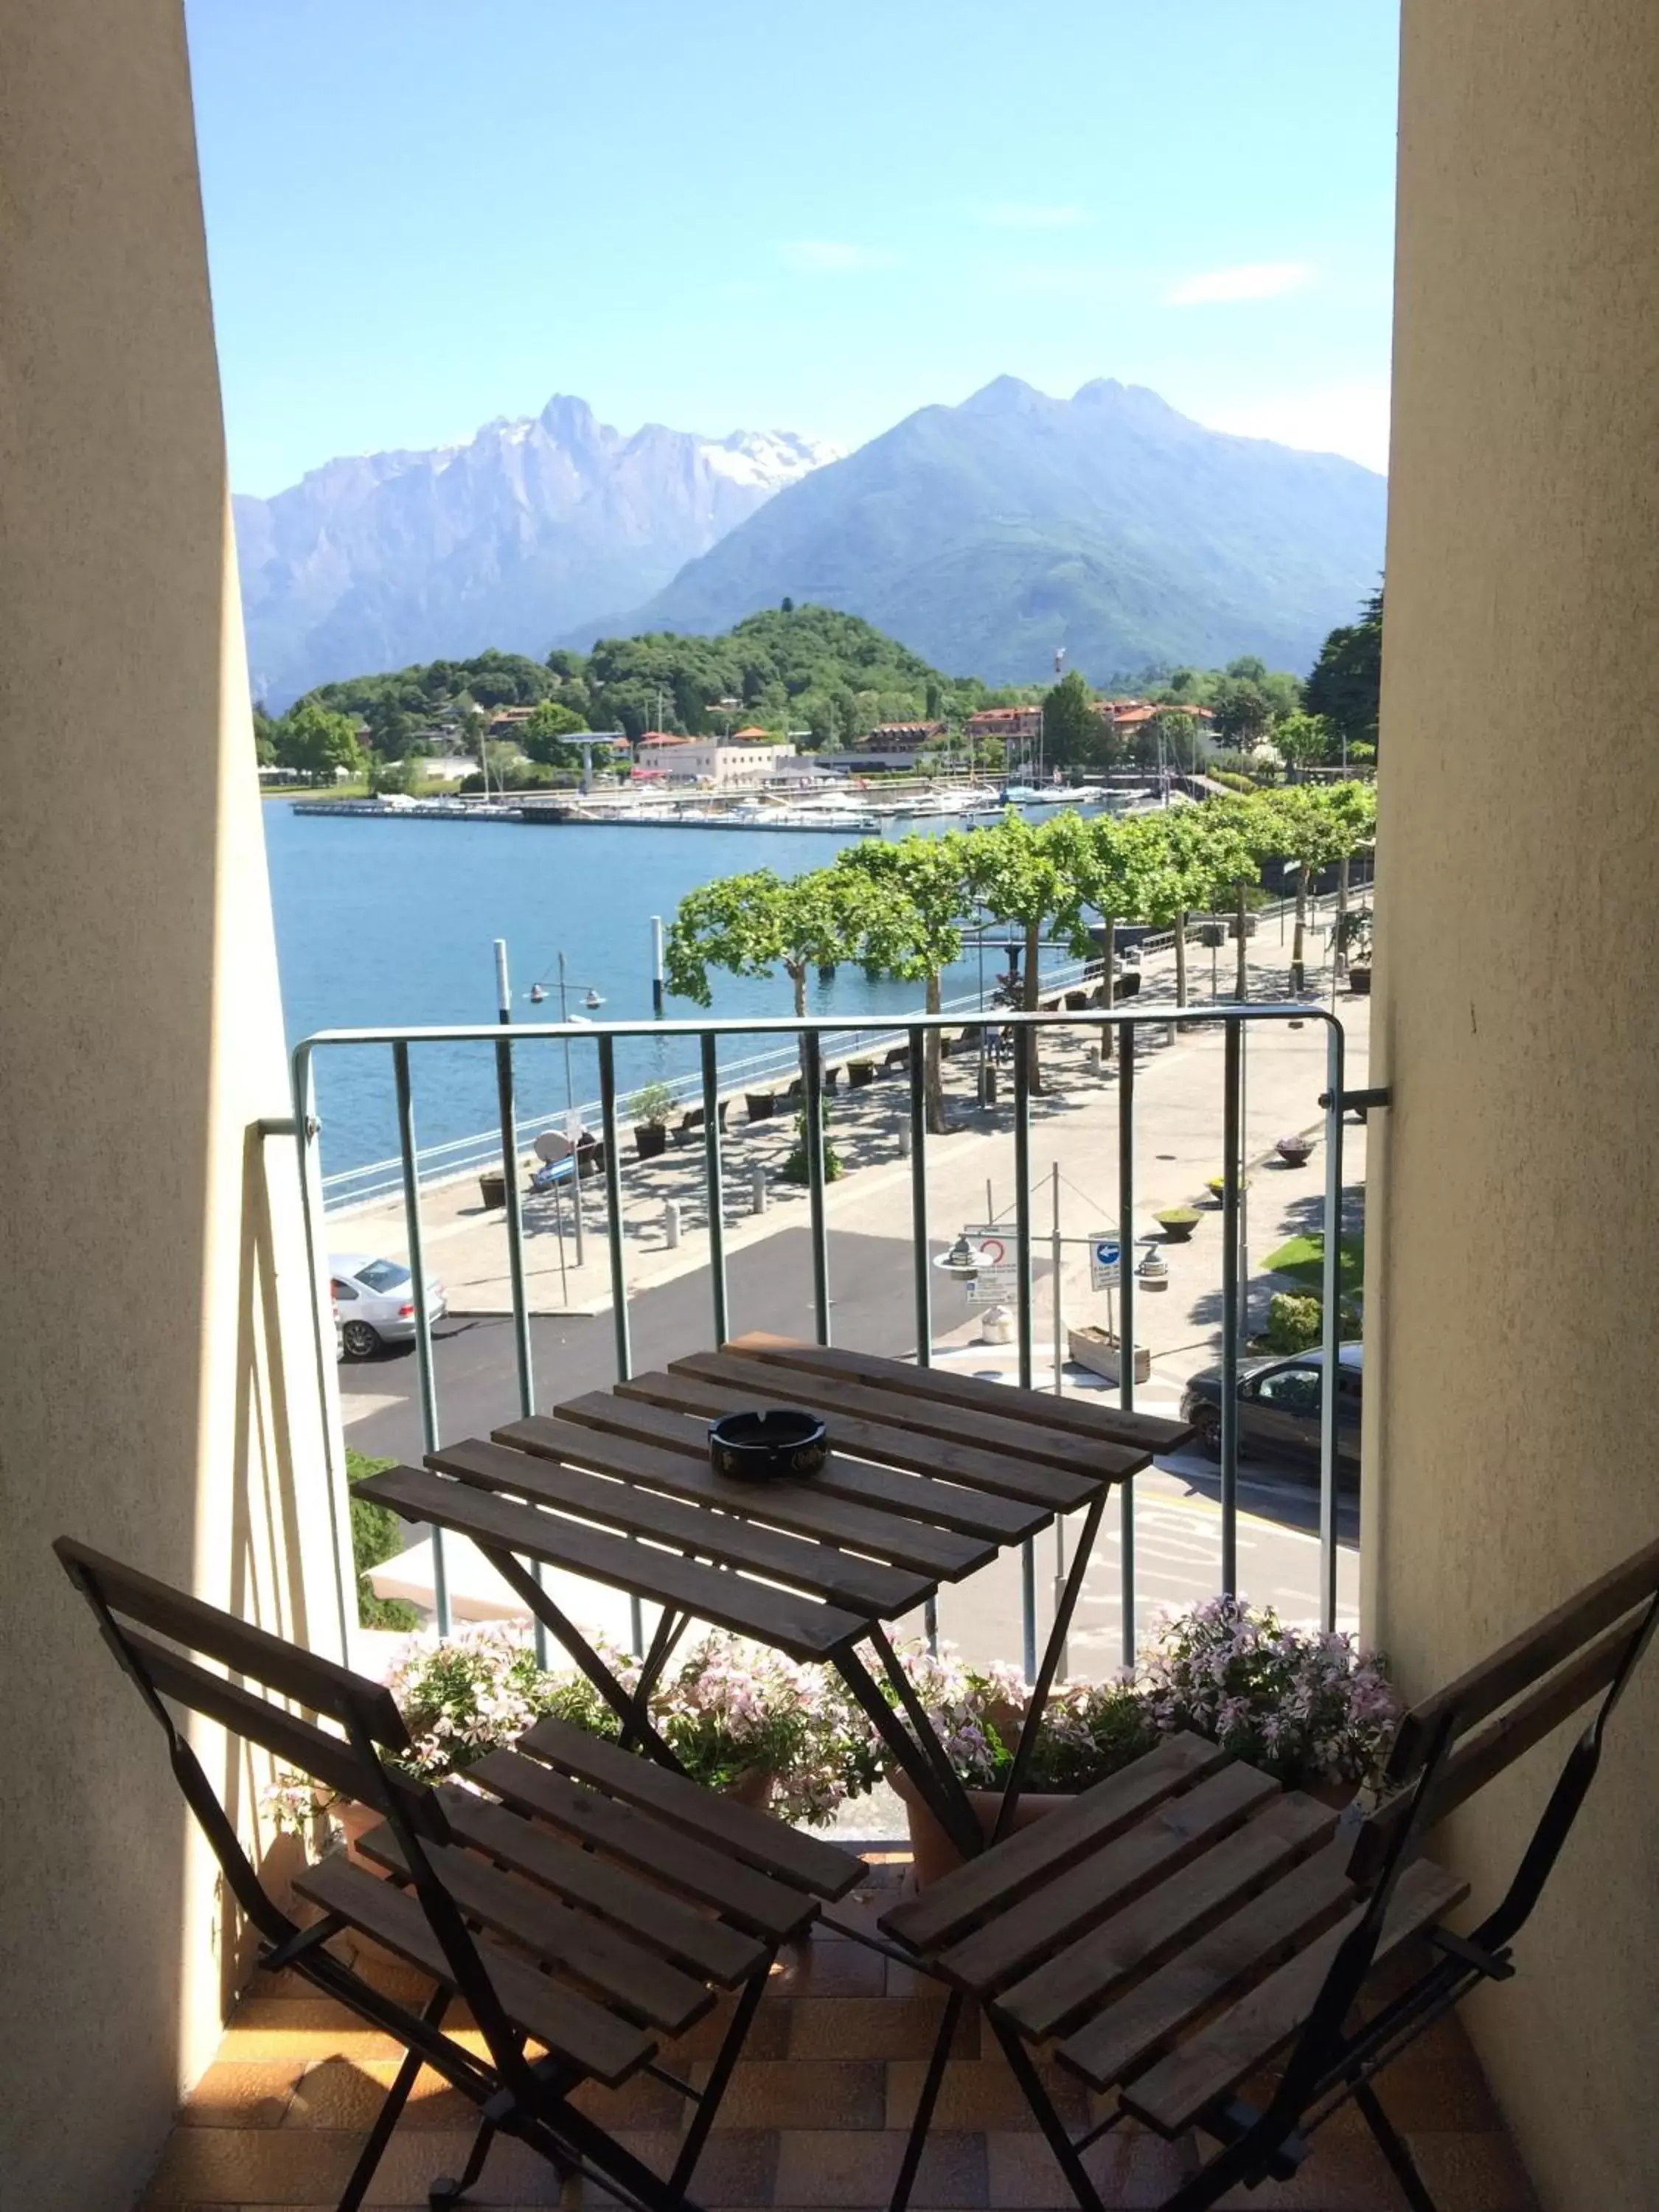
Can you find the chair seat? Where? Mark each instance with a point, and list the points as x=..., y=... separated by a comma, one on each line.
x=616, y=1897
x=1167, y=1931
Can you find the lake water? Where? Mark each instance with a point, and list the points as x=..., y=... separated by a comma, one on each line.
x=387, y=923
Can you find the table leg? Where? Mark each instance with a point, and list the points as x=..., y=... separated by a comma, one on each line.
x=1044, y=1683
x=921, y=1756
x=625, y=1705
x=669, y=1629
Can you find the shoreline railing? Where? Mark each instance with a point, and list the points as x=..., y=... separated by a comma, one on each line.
x=803, y=1040
x=457, y=1157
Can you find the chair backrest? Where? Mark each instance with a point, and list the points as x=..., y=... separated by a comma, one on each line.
x=128, y=1602
x=1485, y=1720
x=1448, y=1747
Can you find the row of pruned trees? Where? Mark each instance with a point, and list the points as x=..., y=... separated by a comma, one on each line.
x=900, y=909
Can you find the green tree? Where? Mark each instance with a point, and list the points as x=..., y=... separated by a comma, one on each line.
x=1072, y=731
x=386, y=776
x=1172, y=878
x=1178, y=734
x=1233, y=838
x=1354, y=806
x=913, y=926
x=317, y=742
x=754, y=924
x=390, y=726
x=1302, y=740
x=542, y=736
x=1242, y=711
x=1346, y=685
x=1311, y=832
x=264, y=737
x=1022, y=874
x=1111, y=863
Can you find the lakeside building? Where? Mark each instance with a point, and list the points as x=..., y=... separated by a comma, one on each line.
x=734, y=763
x=1015, y=723
x=901, y=737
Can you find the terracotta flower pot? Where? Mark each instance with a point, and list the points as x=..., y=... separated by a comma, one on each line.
x=754, y=1788
x=933, y=1853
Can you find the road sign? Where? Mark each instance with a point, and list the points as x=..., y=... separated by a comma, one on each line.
x=996, y=1281
x=1105, y=1262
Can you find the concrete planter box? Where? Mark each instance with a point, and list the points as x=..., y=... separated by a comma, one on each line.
x=1101, y=1353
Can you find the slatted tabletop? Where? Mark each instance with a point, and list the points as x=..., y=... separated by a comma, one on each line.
x=931, y=1475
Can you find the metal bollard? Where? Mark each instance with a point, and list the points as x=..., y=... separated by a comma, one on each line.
x=904, y=1140
x=758, y=1194
x=671, y=1223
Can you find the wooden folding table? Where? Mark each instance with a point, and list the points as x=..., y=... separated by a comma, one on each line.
x=930, y=1476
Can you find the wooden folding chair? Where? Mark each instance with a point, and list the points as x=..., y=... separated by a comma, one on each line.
x=592, y=1904
x=1187, y=1927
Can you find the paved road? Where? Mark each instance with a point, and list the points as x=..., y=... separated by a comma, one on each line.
x=769, y=1286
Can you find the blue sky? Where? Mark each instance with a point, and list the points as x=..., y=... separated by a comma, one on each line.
x=423, y=213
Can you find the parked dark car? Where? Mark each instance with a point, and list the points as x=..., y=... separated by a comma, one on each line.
x=1278, y=1407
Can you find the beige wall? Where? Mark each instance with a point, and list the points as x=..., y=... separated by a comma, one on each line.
x=147, y=1239
x=1514, y=1251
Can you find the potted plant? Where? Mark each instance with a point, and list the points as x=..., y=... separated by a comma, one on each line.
x=474, y=1690
x=650, y=1109
x=1295, y=1151
x=1354, y=941
x=1311, y=1709
x=742, y=1718
x=738, y=1717
x=1307, y=1707
x=1089, y=1730
x=1217, y=1186
x=1100, y=1351
x=1178, y=1223
x=795, y=1168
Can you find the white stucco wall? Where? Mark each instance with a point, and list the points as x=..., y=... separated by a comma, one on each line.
x=157, y=1395
x=1513, y=1246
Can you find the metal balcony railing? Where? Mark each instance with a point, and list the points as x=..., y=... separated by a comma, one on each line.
x=804, y=1040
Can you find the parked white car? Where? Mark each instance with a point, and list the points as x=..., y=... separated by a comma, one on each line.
x=374, y=1300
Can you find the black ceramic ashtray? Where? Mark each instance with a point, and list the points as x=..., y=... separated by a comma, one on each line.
x=781, y=1445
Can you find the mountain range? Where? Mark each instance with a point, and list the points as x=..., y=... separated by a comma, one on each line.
x=510, y=538
x=984, y=536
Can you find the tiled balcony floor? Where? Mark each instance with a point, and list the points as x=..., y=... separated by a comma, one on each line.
x=813, y=2118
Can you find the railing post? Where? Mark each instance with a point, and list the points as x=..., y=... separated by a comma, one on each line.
x=618, y=1269
x=504, y=1089
x=1023, y=1314
x=515, y=1228
x=713, y=1183
x=1232, y=1101
x=1125, y=1358
x=428, y=1381
x=328, y=1395
x=613, y=1207
x=1331, y=1339
x=812, y=1145
x=921, y=1259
